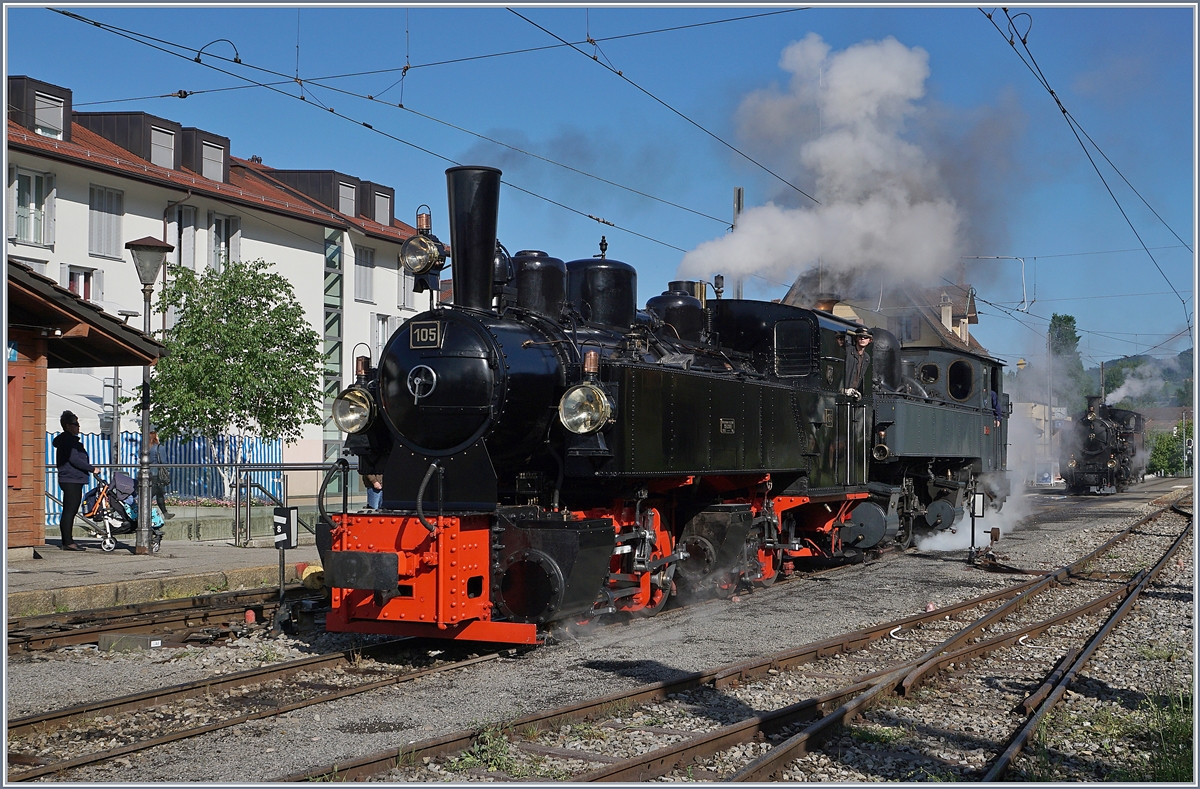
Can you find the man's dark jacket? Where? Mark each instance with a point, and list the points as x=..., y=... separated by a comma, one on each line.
x=72, y=460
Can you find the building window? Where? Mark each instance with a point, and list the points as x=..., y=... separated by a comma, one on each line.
x=48, y=115
x=32, y=195
x=346, y=198
x=381, y=332
x=181, y=234
x=105, y=209
x=213, y=165
x=905, y=327
x=406, y=297
x=383, y=209
x=364, y=273
x=224, y=235
x=162, y=147
x=82, y=282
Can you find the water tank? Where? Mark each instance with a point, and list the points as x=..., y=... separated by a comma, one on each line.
x=541, y=282
x=680, y=310
x=604, y=291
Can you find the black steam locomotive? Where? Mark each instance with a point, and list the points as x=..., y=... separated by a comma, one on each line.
x=551, y=453
x=1105, y=449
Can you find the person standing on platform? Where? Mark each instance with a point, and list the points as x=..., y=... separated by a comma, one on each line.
x=159, y=476
x=74, y=467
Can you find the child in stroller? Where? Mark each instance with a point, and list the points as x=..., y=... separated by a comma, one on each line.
x=111, y=508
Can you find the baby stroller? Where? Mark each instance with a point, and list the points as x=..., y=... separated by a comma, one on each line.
x=111, y=508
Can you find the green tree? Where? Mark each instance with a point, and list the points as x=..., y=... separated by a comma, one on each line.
x=241, y=358
x=1167, y=454
x=1071, y=384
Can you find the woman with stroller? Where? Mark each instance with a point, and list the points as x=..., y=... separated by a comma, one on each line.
x=74, y=466
x=159, y=476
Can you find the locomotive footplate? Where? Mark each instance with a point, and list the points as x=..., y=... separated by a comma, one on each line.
x=390, y=574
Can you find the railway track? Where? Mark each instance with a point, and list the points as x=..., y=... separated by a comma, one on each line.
x=49, y=744
x=750, y=721
x=175, y=619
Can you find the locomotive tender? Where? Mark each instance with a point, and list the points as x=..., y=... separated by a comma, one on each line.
x=550, y=453
x=1105, y=450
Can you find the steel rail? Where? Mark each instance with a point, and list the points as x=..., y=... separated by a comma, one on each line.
x=723, y=676
x=55, y=719
x=134, y=747
x=74, y=618
x=659, y=762
x=166, y=623
x=773, y=761
x=379, y=762
x=1022, y=737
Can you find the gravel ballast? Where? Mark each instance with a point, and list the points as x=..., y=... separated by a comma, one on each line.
x=606, y=659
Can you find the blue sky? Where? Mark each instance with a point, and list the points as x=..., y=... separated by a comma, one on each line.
x=986, y=144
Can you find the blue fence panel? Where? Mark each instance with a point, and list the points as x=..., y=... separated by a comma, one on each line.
x=186, y=483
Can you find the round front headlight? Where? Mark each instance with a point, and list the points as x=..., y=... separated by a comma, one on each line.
x=584, y=409
x=420, y=254
x=353, y=410
x=1072, y=464
x=1112, y=464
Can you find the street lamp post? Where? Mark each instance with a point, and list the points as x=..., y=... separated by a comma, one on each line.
x=148, y=256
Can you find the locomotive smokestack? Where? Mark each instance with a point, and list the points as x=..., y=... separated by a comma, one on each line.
x=474, y=197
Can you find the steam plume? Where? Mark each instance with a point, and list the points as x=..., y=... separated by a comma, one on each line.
x=883, y=209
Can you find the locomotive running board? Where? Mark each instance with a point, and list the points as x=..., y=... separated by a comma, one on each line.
x=475, y=630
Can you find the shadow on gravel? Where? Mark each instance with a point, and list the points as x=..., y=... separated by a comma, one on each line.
x=718, y=707
x=1182, y=594
x=642, y=670
x=1102, y=691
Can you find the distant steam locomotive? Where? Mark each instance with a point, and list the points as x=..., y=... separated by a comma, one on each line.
x=1105, y=449
x=552, y=453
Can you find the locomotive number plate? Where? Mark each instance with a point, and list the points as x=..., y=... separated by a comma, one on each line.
x=727, y=426
x=425, y=334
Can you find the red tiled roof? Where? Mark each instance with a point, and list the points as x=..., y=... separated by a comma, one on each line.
x=258, y=190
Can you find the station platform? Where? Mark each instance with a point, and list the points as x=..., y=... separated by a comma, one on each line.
x=48, y=580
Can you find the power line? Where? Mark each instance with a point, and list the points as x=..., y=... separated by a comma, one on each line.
x=1076, y=129
x=1102, y=252
x=454, y=61
x=447, y=124
x=1114, y=296
x=762, y=167
x=137, y=38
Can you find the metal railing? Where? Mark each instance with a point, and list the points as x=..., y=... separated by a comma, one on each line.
x=261, y=486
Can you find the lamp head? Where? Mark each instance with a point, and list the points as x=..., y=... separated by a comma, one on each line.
x=148, y=256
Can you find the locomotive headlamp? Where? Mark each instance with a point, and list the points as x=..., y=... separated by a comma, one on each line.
x=584, y=409
x=1072, y=464
x=353, y=410
x=1112, y=464
x=420, y=254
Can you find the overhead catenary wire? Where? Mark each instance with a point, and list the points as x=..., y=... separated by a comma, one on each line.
x=452, y=61
x=716, y=137
x=138, y=38
x=1076, y=129
x=425, y=116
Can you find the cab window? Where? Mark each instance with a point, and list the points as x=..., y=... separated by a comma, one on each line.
x=960, y=379
x=794, y=348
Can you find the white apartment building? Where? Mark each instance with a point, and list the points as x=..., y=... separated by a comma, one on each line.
x=81, y=185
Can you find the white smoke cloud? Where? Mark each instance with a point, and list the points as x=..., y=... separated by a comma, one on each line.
x=1144, y=379
x=839, y=125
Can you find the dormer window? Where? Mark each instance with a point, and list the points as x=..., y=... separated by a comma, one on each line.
x=213, y=166
x=162, y=147
x=383, y=208
x=48, y=115
x=346, y=198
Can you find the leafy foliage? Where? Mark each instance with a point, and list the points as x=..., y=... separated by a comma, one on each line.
x=241, y=358
x=1167, y=454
